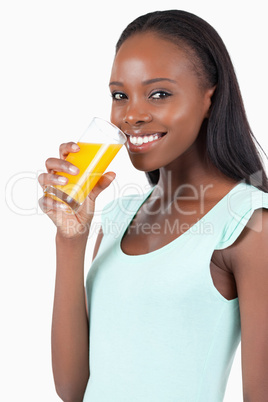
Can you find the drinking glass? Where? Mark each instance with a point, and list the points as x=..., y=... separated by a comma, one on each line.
x=98, y=146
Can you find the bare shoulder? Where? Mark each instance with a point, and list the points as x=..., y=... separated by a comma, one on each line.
x=247, y=257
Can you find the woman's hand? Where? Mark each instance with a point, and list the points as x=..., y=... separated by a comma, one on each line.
x=69, y=225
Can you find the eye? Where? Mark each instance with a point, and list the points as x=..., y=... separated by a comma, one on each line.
x=160, y=95
x=118, y=96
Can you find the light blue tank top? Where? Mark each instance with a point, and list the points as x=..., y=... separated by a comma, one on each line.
x=159, y=329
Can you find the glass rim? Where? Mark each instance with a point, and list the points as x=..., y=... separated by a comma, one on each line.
x=103, y=121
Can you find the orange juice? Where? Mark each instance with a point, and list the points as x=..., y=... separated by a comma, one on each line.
x=92, y=160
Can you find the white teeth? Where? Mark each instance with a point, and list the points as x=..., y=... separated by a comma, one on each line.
x=144, y=139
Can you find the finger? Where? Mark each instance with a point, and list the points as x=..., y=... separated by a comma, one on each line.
x=66, y=148
x=49, y=206
x=46, y=179
x=102, y=184
x=60, y=165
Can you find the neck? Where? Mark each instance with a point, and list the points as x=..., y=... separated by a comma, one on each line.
x=192, y=175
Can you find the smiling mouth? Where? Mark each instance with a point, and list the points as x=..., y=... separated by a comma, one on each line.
x=144, y=139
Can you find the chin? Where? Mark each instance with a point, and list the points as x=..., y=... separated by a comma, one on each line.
x=143, y=163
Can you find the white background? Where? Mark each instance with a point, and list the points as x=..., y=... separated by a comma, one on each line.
x=55, y=62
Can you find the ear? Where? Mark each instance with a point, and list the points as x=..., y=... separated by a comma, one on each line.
x=208, y=96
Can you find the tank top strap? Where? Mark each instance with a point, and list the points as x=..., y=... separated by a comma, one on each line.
x=117, y=214
x=240, y=206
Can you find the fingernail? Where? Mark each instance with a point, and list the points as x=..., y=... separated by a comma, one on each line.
x=62, y=180
x=73, y=169
x=75, y=147
x=66, y=208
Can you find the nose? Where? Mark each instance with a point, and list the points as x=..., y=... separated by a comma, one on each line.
x=136, y=114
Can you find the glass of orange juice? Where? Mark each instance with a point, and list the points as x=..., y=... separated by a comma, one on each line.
x=98, y=146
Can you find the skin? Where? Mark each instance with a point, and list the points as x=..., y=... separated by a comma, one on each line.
x=179, y=107
x=140, y=108
x=70, y=321
x=179, y=110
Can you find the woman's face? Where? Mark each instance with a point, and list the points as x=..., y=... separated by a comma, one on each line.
x=158, y=101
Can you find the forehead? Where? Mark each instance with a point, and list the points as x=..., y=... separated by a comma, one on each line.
x=149, y=55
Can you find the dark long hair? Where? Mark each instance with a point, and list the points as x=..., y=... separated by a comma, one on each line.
x=230, y=143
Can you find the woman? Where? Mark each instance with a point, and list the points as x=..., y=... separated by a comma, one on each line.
x=168, y=296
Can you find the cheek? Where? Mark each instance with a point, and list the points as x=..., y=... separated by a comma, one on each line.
x=179, y=115
x=187, y=119
x=116, y=116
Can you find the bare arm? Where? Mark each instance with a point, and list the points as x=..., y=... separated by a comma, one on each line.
x=70, y=354
x=249, y=258
x=97, y=244
x=70, y=348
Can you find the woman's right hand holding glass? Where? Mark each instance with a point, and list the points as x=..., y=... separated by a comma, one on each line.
x=69, y=225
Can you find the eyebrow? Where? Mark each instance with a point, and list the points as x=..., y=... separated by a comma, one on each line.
x=152, y=81
x=147, y=82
